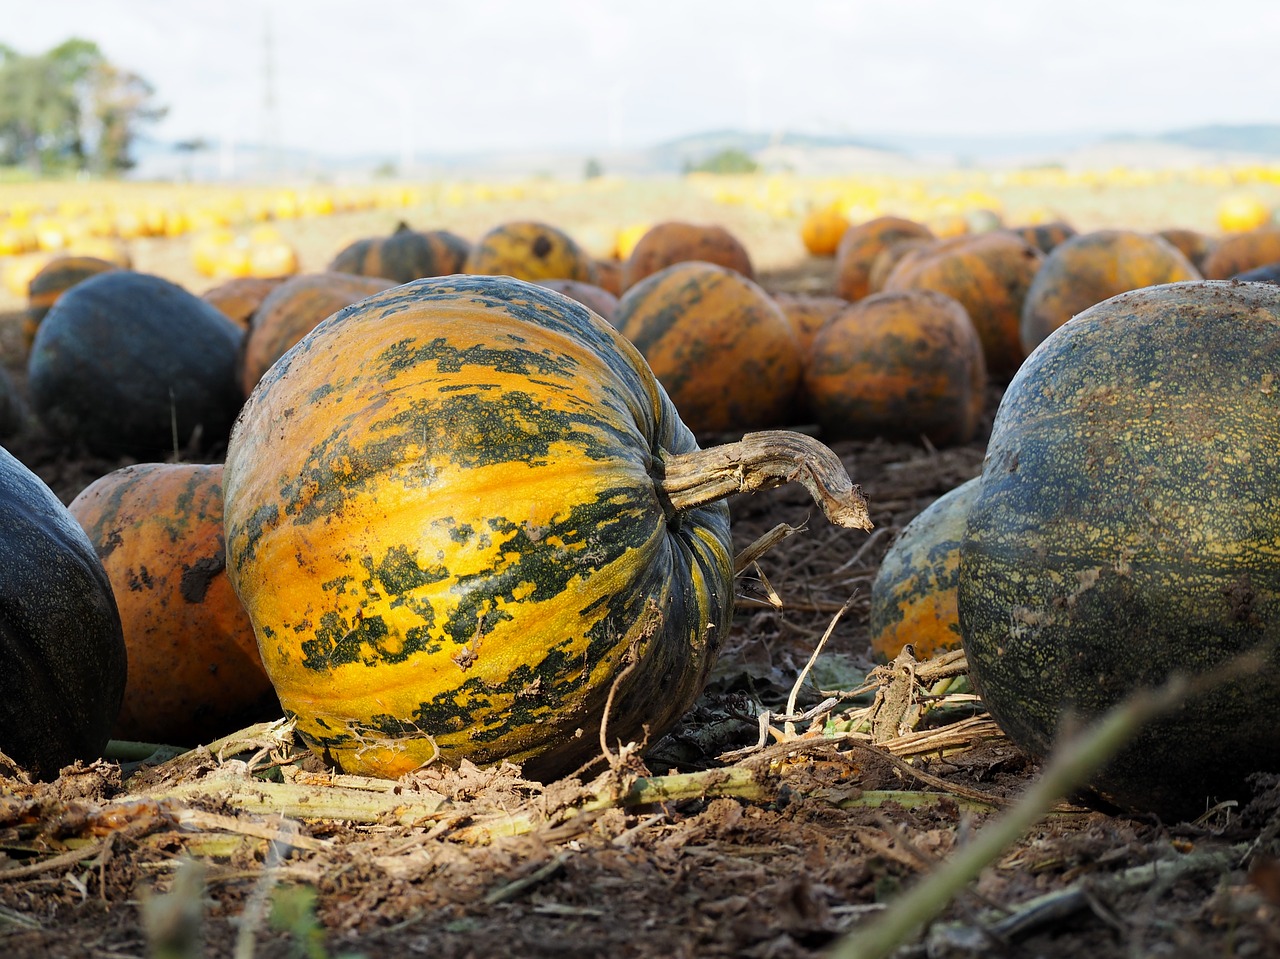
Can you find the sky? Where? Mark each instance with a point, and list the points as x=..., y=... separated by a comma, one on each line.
x=444, y=77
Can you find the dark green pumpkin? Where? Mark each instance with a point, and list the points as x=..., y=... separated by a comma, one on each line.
x=12, y=406
x=127, y=362
x=1128, y=528
x=62, y=655
x=405, y=255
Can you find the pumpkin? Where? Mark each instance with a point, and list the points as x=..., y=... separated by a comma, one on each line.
x=127, y=362
x=1045, y=237
x=1238, y=252
x=860, y=246
x=1093, y=267
x=595, y=298
x=822, y=228
x=1261, y=274
x=239, y=298
x=1127, y=530
x=913, y=596
x=609, y=275
x=530, y=250
x=60, y=633
x=1238, y=212
x=291, y=310
x=900, y=366
x=888, y=258
x=13, y=410
x=717, y=342
x=194, y=669
x=55, y=278
x=405, y=255
x=807, y=314
x=677, y=241
x=990, y=275
x=463, y=516
x=1195, y=246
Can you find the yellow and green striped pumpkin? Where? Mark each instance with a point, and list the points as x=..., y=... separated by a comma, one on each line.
x=446, y=517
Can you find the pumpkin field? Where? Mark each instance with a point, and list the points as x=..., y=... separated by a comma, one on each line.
x=371, y=603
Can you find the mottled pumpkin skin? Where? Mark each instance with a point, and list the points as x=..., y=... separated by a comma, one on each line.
x=530, y=250
x=719, y=344
x=1093, y=267
x=60, y=638
x=239, y=298
x=990, y=275
x=888, y=258
x=595, y=298
x=900, y=366
x=129, y=363
x=1238, y=252
x=676, y=241
x=1128, y=528
x=913, y=597
x=442, y=518
x=292, y=310
x=194, y=669
x=860, y=246
x=55, y=278
x=405, y=255
x=1045, y=236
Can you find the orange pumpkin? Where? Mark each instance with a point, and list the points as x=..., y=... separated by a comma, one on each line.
x=860, y=246
x=294, y=309
x=55, y=278
x=675, y=241
x=529, y=250
x=1193, y=244
x=720, y=345
x=807, y=314
x=898, y=365
x=405, y=255
x=1045, y=236
x=1238, y=252
x=609, y=275
x=990, y=275
x=821, y=230
x=1093, y=267
x=888, y=258
x=913, y=597
x=239, y=298
x=194, y=672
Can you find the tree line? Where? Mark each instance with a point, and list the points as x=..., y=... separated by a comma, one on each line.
x=71, y=110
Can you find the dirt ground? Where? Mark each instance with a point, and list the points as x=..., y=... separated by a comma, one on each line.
x=708, y=846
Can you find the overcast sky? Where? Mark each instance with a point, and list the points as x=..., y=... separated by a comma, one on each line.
x=438, y=76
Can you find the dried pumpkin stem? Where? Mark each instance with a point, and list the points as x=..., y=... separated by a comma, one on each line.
x=761, y=461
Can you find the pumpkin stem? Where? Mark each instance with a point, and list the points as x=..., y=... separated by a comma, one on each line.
x=762, y=461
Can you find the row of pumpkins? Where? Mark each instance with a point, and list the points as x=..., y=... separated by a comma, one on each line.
x=481, y=475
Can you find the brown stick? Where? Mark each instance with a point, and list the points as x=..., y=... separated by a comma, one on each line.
x=761, y=461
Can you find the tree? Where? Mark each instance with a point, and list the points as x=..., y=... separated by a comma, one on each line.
x=70, y=109
x=731, y=160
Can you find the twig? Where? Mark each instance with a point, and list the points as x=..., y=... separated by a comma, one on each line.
x=955, y=939
x=789, y=728
x=509, y=891
x=54, y=862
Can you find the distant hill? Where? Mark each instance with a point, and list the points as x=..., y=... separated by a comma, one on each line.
x=1259, y=138
x=786, y=150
